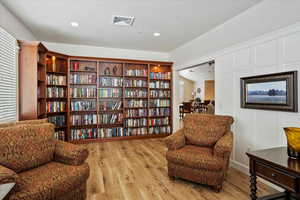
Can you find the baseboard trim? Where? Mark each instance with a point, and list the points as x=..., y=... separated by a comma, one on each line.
x=245, y=169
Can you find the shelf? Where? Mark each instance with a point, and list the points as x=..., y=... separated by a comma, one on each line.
x=83, y=97
x=160, y=107
x=161, y=116
x=110, y=86
x=110, y=97
x=110, y=125
x=135, y=117
x=135, y=87
x=160, y=88
x=135, y=107
x=135, y=126
x=83, y=126
x=41, y=64
x=56, y=113
x=135, y=76
x=112, y=111
x=60, y=127
x=57, y=73
x=133, y=137
x=160, y=79
x=94, y=72
x=83, y=111
x=159, y=125
x=118, y=76
x=51, y=85
x=83, y=84
x=160, y=97
x=55, y=98
x=136, y=97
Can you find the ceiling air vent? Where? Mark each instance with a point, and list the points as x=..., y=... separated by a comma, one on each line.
x=123, y=20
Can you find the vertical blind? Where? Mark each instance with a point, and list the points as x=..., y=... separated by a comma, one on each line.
x=8, y=77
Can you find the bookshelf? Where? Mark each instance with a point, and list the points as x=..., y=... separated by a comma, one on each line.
x=95, y=99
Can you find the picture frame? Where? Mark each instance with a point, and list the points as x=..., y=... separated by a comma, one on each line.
x=276, y=91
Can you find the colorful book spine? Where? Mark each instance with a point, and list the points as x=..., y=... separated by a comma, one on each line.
x=109, y=105
x=160, y=130
x=83, y=78
x=110, y=118
x=79, y=120
x=77, y=134
x=83, y=106
x=56, y=106
x=56, y=79
x=55, y=92
x=159, y=84
x=135, y=122
x=110, y=82
x=160, y=75
x=136, y=113
x=109, y=92
x=159, y=121
x=129, y=93
x=83, y=92
x=136, y=72
x=58, y=120
x=135, y=83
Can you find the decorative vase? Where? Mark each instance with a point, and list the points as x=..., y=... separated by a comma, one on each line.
x=293, y=142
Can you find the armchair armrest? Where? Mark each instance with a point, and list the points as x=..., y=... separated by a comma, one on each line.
x=223, y=147
x=70, y=154
x=176, y=140
x=7, y=175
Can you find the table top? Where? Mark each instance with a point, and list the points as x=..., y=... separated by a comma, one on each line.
x=277, y=156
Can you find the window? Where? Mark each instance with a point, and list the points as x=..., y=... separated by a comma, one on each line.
x=8, y=77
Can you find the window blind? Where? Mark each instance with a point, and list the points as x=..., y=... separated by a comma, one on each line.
x=8, y=77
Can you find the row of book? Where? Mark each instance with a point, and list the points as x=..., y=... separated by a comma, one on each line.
x=53, y=79
x=159, y=103
x=136, y=72
x=109, y=92
x=135, y=131
x=110, y=82
x=59, y=135
x=136, y=93
x=77, y=134
x=83, y=105
x=160, y=130
x=159, y=84
x=135, y=122
x=109, y=105
x=159, y=121
x=83, y=92
x=160, y=93
x=88, y=119
x=83, y=78
x=135, y=83
x=56, y=92
x=110, y=118
x=58, y=120
x=160, y=75
x=110, y=132
x=56, y=106
x=159, y=112
x=134, y=103
x=136, y=113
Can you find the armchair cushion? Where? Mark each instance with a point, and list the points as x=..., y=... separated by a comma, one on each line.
x=50, y=181
x=176, y=140
x=70, y=154
x=223, y=147
x=195, y=157
x=26, y=122
x=24, y=147
x=7, y=175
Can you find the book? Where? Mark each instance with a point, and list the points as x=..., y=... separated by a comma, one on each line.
x=136, y=113
x=159, y=112
x=160, y=75
x=160, y=130
x=135, y=122
x=159, y=121
x=87, y=119
x=76, y=78
x=160, y=93
x=109, y=105
x=110, y=82
x=53, y=79
x=134, y=103
x=56, y=106
x=88, y=133
x=83, y=92
x=135, y=131
x=56, y=92
x=110, y=118
x=136, y=72
x=159, y=84
x=109, y=92
x=83, y=105
x=110, y=132
x=59, y=135
x=160, y=103
x=135, y=83
x=58, y=121
x=136, y=93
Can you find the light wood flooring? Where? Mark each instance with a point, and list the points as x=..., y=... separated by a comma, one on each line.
x=137, y=170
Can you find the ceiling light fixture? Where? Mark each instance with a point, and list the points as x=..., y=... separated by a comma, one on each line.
x=74, y=24
x=156, y=34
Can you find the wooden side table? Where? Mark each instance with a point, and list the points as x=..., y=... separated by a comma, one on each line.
x=275, y=166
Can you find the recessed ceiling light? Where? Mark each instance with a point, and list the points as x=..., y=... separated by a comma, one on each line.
x=156, y=34
x=74, y=24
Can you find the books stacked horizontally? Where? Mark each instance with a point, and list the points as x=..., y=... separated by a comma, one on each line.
x=110, y=82
x=160, y=75
x=110, y=132
x=160, y=93
x=56, y=79
x=160, y=130
x=135, y=122
x=159, y=103
x=109, y=92
x=109, y=105
x=153, y=112
x=79, y=120
x=83, y=92
x=56, y=106
x=83, y=78
x=110, y=118
x=83, y=106
x=58, y=120
x=135, y=131
x=77, y=134
x=135, y=83
x=159, y=121
x=55, y=92
x=136, y=113
x=136, y=72
x=159, y=84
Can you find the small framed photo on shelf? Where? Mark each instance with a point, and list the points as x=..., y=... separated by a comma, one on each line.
x=270, y=92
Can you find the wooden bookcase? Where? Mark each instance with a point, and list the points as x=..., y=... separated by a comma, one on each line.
x=102, y=99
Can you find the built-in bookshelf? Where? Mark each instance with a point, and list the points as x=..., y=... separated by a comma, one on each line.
x=95, y=99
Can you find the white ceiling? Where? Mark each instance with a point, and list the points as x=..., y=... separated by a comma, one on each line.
x=198, y=73
x=178, y=21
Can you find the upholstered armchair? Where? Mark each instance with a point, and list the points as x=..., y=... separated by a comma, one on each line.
x=200, y=151
x=41, y=167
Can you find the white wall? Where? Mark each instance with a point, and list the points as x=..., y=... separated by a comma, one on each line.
x=93, y=51
x=13, y=25
x=265, y=17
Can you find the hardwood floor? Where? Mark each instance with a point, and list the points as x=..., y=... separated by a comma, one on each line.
x=136, y=170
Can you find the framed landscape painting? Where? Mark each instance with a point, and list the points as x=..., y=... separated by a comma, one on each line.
x=270, y=92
